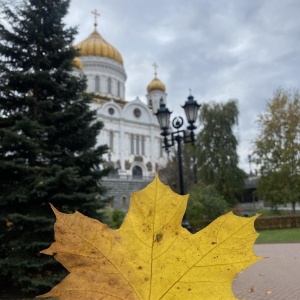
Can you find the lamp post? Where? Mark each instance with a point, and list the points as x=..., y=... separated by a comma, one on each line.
x=179, y=136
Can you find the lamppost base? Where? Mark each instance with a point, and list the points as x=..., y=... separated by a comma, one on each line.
x=185, y=224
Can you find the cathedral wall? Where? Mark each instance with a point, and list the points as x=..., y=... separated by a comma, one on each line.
x=106, y=70
x=138, y=144
x=117, y=88
x=154, y=99
x=120, y=190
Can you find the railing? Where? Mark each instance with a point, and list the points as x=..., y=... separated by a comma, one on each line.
x=128, y=177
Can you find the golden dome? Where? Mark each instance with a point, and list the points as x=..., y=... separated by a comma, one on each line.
x=96, y=45
x=77, y=63
x=156, y=84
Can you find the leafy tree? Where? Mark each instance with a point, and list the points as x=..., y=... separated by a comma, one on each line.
x=277, y=149
x=217, y=149
x=47, y=141
x=205, y=202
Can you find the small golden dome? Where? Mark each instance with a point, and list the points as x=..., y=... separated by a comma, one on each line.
x=96, y=45
x=156, y=84
x=77, y=63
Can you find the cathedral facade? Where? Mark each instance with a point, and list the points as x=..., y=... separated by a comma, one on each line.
x=131, y=129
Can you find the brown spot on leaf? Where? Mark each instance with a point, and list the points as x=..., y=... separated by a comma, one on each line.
x=112, y=281
x=140, y=267
x=159, y=237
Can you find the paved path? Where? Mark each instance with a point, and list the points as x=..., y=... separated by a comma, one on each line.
x=276, y=277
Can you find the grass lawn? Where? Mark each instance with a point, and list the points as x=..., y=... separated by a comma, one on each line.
x=291, y=235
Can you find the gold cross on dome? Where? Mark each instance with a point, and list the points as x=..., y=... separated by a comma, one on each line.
x=155, y=65
x=96, y=14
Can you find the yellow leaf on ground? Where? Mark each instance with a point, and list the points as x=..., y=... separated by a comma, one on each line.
x=151, y=256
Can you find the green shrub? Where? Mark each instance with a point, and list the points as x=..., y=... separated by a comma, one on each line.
x=113, y=217
x=277, y=222
x=205, y=203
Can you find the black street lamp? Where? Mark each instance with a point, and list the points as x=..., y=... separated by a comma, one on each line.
x=163, y=114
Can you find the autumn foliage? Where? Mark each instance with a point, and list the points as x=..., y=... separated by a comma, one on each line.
x=277, y=148
x=151, y=256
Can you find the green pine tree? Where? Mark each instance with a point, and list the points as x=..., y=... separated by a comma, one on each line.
x=47, y=141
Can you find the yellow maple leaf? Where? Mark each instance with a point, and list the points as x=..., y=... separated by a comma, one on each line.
x=151, y=256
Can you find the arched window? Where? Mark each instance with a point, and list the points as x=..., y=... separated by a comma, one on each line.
x=112, y=202
x=119, y=89
x=111, y=141
x=97, y=84
x=137, y=172
x=137, y=144
x=124, y=202
x=143, y=145
x=109, y=85
x=132, y=144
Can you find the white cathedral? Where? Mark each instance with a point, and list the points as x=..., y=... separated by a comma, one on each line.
x=131, y=129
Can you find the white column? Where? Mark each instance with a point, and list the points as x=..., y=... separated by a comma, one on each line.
x=122, y=146
x=152, y=148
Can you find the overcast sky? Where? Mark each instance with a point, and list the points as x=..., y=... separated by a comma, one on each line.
x=220, y=49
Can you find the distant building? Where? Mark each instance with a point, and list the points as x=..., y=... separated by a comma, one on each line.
x=250, y=201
